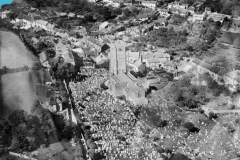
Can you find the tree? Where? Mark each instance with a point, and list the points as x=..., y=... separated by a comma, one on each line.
x=78, y=152
x=116, y=11
x=126, y=12
x=98, y=17
x=17, y=117
x=50, y=53
x=20, y=142
x=162, y=123
x=212, y=115
x=5, y=127
x=179, y=156
x=12, y=15
x=91, y=153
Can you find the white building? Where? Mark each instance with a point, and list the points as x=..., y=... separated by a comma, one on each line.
x=199, y=17
x=217, y=16
x=163, y=12
x=177, y=5
x=132, y=56
x=71, y=14
x=150, y=4
x=4, y=14
x=40, y=23
x=50, y=27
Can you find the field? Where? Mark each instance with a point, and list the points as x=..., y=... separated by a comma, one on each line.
x=17, y=89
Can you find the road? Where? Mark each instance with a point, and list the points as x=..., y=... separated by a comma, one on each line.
x=226, y=111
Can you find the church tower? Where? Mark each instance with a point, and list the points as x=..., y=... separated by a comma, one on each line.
x=117, y=57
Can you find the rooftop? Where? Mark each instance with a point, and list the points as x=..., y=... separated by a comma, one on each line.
x=234, y=74
x=202, y=63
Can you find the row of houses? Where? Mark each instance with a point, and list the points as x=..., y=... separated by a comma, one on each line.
x=154, y=60
x=221, y=76
x=28, y=21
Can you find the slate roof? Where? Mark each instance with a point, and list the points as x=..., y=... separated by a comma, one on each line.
x=153, y=59
x=103, y=25
x=134, y=54
x=93, y=40
x=202, y=63
x=26, y=17
x=231, y=39
x=42, y=22
x=169, y=63
x=215, y=69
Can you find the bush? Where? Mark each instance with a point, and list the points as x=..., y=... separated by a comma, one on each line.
x=237, y=120
x=212, y=115
x=162, y=123
x=200, y=110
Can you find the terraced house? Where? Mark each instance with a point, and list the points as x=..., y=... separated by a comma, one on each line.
x=221, y=76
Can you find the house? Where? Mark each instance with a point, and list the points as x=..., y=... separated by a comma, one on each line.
x=199, y=17
x=153, y=62
x=4, y=14
x=170, y=66
x=177, y=5
x=231, y=39
x=208, y=10
x=163, y=12
x=138, y=66
x=150, y=4
x=183, y=12
x=62, y=14
x=101, y=58
x=71, y=14
x=40, y=23
x=132, y=56
x=215, y=72
x=94, y=43
x=44, y=61
x=73, y=35
x=95, y=28
x=133, y=31
x=25, y=20
x=104, y=25
x=50, y=27
x=202, y=66
x=160, y=57
x=191, y=10
x=80, y=30
x=63, y=34
x=217, y=16
x=235, y=22
x=232, y=79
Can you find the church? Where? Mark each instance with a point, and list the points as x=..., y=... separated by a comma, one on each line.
x=122, y=82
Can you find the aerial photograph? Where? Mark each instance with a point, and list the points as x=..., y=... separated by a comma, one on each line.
x=119, y=80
